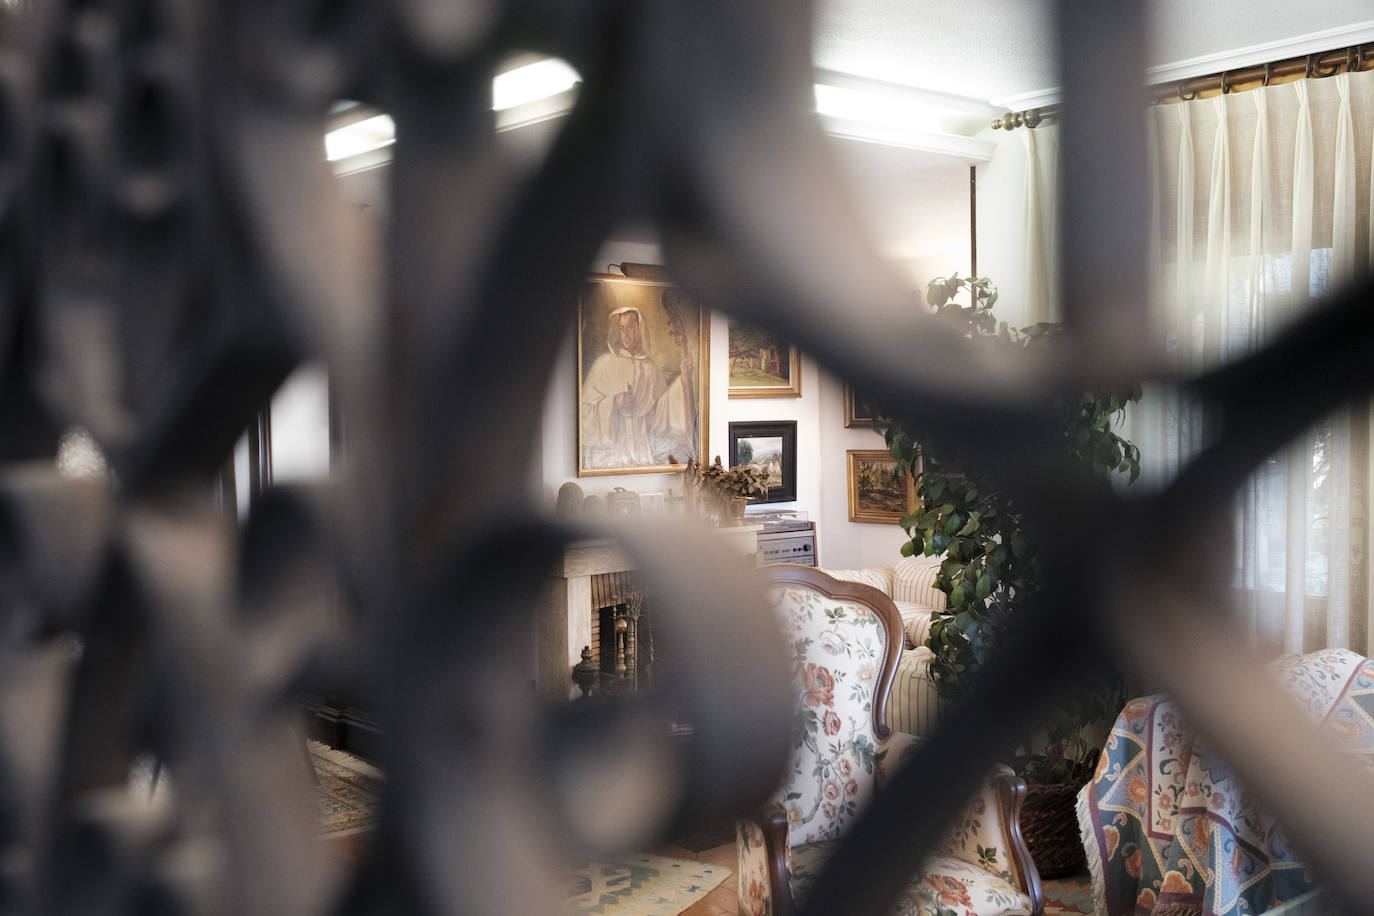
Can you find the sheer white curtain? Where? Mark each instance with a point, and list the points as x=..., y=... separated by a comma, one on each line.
x=1262, y=204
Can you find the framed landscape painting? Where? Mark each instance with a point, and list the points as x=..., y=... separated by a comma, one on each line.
x=877, y=492
x=642, y=371
x=762, y=364
x=771, y=446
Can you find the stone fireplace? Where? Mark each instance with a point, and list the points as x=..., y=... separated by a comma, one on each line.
x=593, y=575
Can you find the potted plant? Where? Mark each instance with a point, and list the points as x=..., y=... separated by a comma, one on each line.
x=732, y=487
x=990, y=569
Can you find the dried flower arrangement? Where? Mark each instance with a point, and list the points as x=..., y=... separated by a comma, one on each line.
x=741, y=480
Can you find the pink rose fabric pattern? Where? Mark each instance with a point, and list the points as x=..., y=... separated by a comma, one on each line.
x=837, y=645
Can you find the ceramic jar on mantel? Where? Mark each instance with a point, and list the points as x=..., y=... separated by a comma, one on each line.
x=733, y=513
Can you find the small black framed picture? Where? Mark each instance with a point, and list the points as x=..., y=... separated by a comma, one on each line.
x=772, y=446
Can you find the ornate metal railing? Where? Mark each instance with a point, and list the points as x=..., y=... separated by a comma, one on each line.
x=172, y=243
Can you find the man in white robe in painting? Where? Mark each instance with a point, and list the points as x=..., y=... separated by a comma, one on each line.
x=632, y=416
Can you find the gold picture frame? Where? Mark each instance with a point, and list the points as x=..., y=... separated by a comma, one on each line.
x=874, y=493
x=857, y=412
x=645, y=408
x=762, y=364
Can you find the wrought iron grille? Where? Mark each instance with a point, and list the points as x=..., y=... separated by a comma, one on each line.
x=172, y=243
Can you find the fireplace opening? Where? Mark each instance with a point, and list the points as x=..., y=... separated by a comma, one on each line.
x=625, y=646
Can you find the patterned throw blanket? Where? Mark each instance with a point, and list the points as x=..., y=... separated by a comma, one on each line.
x=1169, y=832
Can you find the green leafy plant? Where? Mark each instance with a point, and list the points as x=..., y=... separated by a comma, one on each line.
x=989, y=568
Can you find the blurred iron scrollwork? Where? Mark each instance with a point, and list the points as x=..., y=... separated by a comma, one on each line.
x=172, y=243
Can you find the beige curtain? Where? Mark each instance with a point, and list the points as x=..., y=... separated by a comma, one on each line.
x=1041, y=280
x=1262, y=205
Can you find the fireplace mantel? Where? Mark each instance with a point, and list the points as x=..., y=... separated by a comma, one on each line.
x=566, y=623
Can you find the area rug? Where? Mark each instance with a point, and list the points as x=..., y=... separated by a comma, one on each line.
x=346, y=796
x=1071, y=896
x=640, y=886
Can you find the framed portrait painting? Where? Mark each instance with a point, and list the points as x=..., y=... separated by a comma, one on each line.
x=762, y=364
x=770, y=446
x=877, y=492
x=642, y=377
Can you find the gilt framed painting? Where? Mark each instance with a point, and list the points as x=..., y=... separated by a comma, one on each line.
x=770, y=446
x=858, y=410
x=878, y=492
x=762, y=364
x=642, y=377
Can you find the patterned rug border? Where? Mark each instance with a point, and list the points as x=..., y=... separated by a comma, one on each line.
x=676, y=885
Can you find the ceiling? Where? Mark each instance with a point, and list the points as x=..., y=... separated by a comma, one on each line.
x=991, y=50
x=915, y=202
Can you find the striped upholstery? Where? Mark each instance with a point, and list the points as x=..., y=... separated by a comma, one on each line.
x=915, y=621
x=908, y=584
x=913, y=579
x=880, y=577
x=913, y=706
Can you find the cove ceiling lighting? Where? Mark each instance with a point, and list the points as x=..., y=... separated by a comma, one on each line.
x=871, y=108
x=852, y=107
x=532, y=82
x=359, y=137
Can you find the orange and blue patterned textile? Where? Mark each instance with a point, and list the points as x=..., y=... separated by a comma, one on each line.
x=1167, y=828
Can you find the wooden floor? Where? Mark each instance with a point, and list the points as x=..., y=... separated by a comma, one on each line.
x=722, y=901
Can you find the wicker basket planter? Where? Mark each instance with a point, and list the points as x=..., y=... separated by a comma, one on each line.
x=1049, y=822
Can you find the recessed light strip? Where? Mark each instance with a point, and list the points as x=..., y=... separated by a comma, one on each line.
x=850, y=107
x=532, y=82
x=359, y=137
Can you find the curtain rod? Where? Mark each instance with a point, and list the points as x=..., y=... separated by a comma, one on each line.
x=1352, y=59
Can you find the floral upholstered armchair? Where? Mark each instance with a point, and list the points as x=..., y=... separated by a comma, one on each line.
x=847, y=639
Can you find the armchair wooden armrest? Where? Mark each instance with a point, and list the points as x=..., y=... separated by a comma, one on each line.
x=992, y=821
x=988, y=834
x=1007, y=791
x=764, y=856
x=774, y=823
x=1011, y=795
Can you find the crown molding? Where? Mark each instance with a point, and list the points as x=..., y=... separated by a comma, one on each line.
x=968, y=149
x=930, y=98
x=1311, y=43
x=1299, y=46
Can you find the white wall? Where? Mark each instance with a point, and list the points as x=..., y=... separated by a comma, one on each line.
x=822, y=440
x=300, y=426
x=844, y=544
x=917, y=206
x=300, y=434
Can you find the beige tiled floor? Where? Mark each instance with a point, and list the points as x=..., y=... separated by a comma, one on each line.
x=721, y=901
